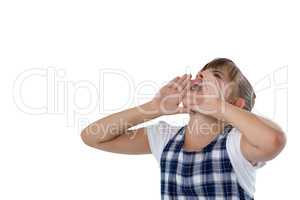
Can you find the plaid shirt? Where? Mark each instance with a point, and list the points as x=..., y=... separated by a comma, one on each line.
x=206, y=174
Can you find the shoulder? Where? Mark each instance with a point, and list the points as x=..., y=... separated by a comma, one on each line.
x=159, y=134
x=162, y=129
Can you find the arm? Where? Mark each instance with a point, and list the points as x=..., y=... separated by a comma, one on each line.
x=261, y=140
x=111, y=133
x=114, y=125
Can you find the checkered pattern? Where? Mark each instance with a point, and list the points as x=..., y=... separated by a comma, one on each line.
x=205, y=175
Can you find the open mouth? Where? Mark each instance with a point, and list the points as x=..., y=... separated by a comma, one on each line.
x=196, y=85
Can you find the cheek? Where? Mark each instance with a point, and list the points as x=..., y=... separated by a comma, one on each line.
x=228, y=91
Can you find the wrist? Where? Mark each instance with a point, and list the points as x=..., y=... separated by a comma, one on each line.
x=152, y=108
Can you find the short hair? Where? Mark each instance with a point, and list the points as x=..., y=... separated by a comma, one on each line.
x=242, y=88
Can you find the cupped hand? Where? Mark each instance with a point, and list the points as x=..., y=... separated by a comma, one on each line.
x=207, y=100
x=169, y=97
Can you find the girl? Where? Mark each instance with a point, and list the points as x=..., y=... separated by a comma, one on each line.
x=215, y=155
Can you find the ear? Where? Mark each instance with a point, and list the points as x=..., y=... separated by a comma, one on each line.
x=240, y=102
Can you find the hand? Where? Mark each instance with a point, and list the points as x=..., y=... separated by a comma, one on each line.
x=169, y=97
x=207, y=98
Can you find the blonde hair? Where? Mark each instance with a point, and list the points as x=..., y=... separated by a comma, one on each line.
x=242, y=87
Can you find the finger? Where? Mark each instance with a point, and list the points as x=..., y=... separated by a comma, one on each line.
x=186, y=89
x=182, y=95
x=214, y=87
x=186, y=82
x=177, y=83
x=182, y=78
x=205, y=87
x=220, y=92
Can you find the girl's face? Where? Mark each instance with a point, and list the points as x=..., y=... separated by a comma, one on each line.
x=209, y=83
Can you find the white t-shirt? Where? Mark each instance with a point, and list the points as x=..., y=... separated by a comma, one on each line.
x=160, y=133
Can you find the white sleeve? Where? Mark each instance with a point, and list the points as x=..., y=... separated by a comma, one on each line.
x=245, y=171
x=158, y=136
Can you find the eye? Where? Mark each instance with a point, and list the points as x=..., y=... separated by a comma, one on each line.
x=217, y=75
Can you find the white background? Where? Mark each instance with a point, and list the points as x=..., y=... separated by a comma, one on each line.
x=67, y=45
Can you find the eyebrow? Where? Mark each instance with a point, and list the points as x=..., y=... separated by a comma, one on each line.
x=214, y=70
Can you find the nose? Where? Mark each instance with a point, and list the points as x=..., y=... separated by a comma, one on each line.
x=200, y=75
x=196, y=83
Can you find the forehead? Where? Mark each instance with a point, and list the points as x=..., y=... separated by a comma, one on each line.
x=227, y=72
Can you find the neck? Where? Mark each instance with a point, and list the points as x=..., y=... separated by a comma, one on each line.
x=201, y=130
